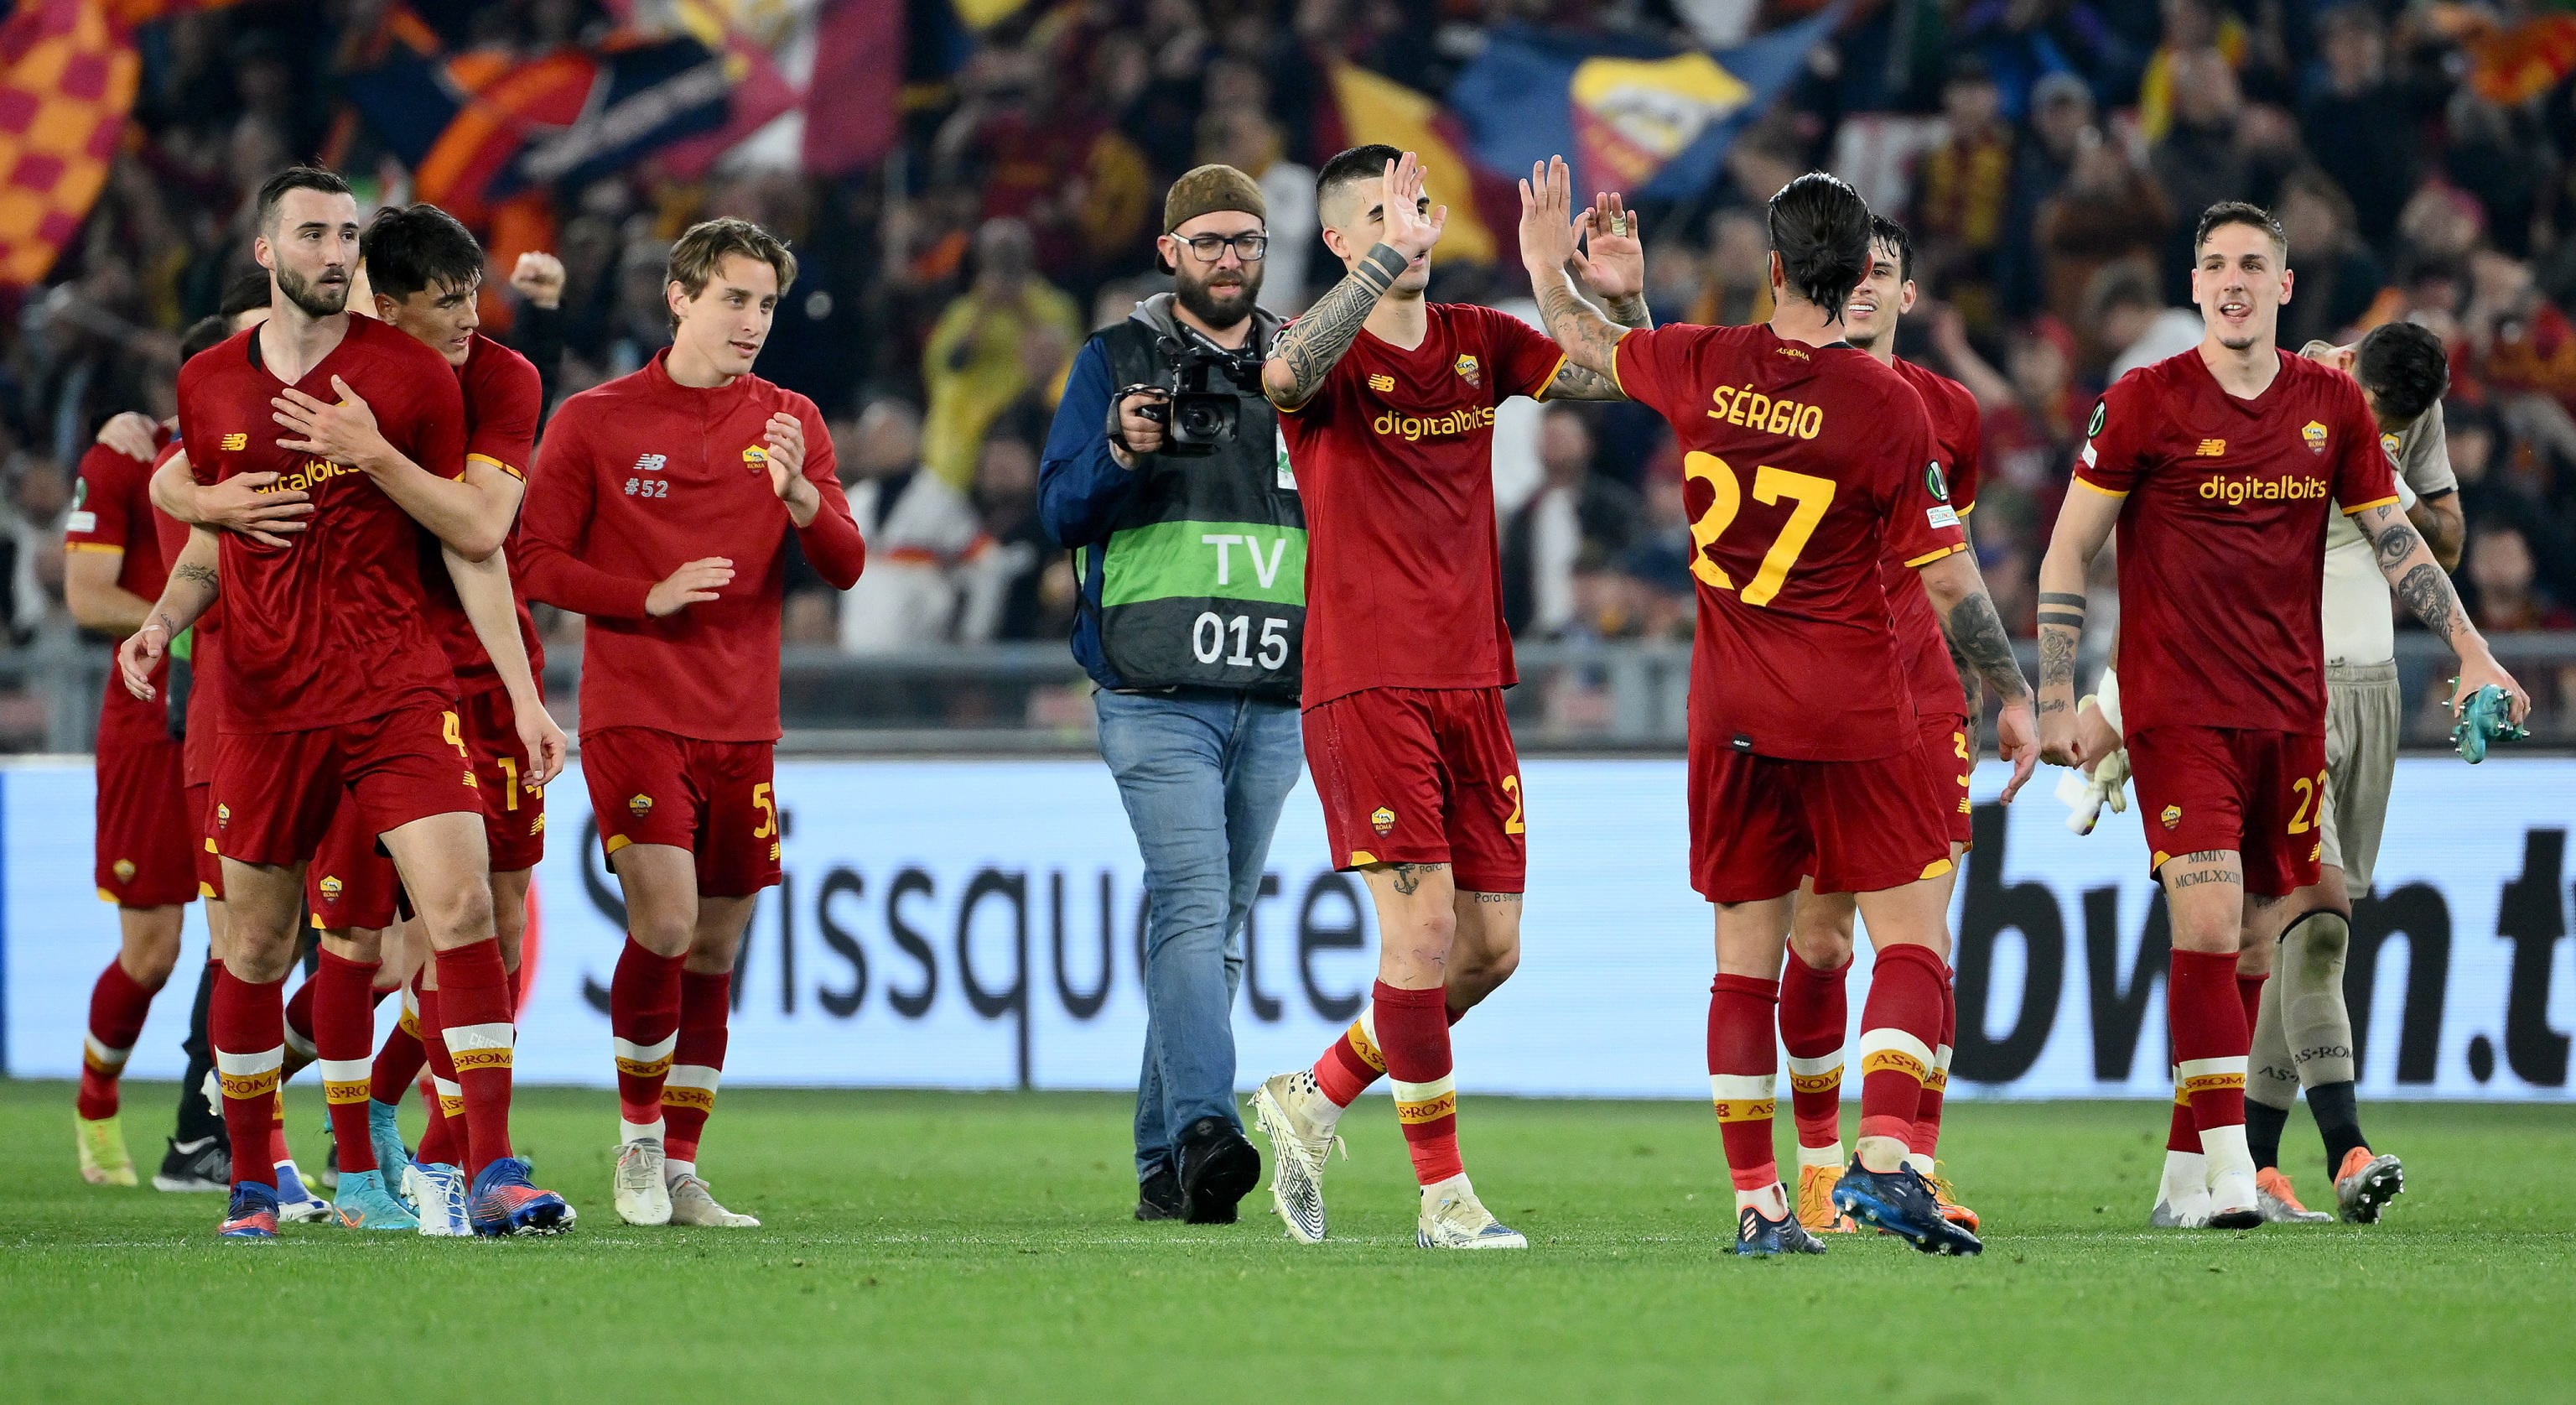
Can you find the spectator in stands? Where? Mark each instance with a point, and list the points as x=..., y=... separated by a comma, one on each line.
x=975, y=365
x=2337, y=278
x=2128, y=318
x=921, y=535
x=39, y=497
x=2108, y=211
x=2061, y=117
x=1575, y=520
x=1006, y=595
x=2192, y=27
x=2359, y=126
x=1963, y=192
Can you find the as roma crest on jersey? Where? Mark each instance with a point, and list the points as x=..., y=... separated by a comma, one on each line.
x=2315, y=433
x=1471, y=371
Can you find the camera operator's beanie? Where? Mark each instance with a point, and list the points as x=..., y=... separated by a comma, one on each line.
x=1210, y=189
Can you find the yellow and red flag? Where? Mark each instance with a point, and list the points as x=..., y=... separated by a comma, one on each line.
x=1484, y=207
x=67, y=80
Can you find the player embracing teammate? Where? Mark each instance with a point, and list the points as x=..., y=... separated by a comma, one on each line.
x=660, y=509
x=1807, y=466
x=2219, y=468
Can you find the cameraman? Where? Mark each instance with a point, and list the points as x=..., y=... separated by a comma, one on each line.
x=1164, y=473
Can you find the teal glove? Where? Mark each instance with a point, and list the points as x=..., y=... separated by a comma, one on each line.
x=2483, y=721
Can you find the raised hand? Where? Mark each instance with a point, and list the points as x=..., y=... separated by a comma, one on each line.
x=1548, y=230
x=1410, y=230
x=1612, y=262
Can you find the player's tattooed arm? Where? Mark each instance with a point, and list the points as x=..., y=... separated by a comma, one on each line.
x=1303, y=354
x=1548, y=233
x=191, y=588
x=2084, y=524
x=1978, y=643
x=2420, y=582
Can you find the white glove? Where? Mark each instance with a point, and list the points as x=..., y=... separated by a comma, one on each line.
x=2085, y=795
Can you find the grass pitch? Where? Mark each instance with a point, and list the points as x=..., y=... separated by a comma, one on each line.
x=978, y=1247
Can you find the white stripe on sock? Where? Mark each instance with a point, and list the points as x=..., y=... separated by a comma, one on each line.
x=1742, y=1087
x=302, y=1046
x=701, y=1076
x=1443, y=1086
x=112, y=1058
x=447, y=1087
x=248, y=1065
x=2198, y=1068
x=465, y=1038
x=1821, y=1155
x=411, y=1002
x=647, y=1053
x=1941, y=1060
x=345, y=1070
x=1822, y=1064
x=638, y=1131
x=1894, y=1040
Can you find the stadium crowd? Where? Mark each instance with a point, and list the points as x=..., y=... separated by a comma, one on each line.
x=2050, y=154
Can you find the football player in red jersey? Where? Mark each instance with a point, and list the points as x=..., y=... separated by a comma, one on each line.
x=1807, y=465
x=1387, y=404
x=1948, y=707
x=334, y=685
x=112, y=572
x=2218, y=468
x=679, y=687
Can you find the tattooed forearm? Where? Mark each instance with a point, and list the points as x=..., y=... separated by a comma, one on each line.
x=1575, y=383
x=1628, y=310
x=2394, y=544
x=1311, y=345
x=195, y=574
x=1976, y=636
x=2061, y=628
x=1587, y=336
x=1970, y=685
x=2428, y=593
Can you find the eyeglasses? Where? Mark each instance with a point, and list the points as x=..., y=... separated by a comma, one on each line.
x=1208, y=248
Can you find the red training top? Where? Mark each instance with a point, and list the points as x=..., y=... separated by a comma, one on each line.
x=504, y=399
x=1921, y=650
x=642, y=475
x=1804, y=469
x=1394, y=458
x=112, y=511
x=334, y=628
x=2222, y=538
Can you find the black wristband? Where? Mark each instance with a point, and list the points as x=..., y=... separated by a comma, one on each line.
x=1389, y=262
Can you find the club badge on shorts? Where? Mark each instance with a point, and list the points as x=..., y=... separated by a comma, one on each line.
x=1382, y=820
x=639, y=805
x=2172, y=816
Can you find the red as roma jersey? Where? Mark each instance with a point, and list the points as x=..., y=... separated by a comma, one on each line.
x=1804, y=469
x=1394, y=458
x=2222, y=536
x=1924, y=654
x=504, y=398
x=335, y=627
x=112, y=511
x=204, y=643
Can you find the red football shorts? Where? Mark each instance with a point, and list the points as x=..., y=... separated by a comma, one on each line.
x=514, y=817
x=1759, y=824
x=275, y=792
x=714, y=799
x=1422, y=775
x=351, y=882
x=201, y=822
x=2254, y=792
x=142, y=835
x=1949, y=759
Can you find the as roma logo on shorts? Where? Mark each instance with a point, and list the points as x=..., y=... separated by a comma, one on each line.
x=1470, y=370
x=2315, y=433
x=223, y=816
x=330, y=886
x=639, y=805
x=1382, y=820
x=2172, y=816
x=124, y=870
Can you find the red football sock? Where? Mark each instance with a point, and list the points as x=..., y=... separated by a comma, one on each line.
x=644, y=1024
x=1900, y=1026
x=1744, y=1075
x=1352, y=1062
x=1813, y=1015
x=400, y=1060
x=246, y=1023
x=344, y=1015
x=2249, y=994
x=474, y=1002
x=299, y=1030
x=1926, y=1140
x=117, y=1005
x=689, y=1093
x=515, y=993
x=1415, y=1031
x=444, y=1143
x=2210, y=1038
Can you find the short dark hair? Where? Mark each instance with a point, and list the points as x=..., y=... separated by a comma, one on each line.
x=2405, y=368
x=1820, y=228
x=417, y=247
x=248, y=293
x=275, y=187
x=1359, y=163
x=2227, y=212
x=1883, y=230
x=203, y=335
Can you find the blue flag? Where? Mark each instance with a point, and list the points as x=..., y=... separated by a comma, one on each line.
x=1631, y=115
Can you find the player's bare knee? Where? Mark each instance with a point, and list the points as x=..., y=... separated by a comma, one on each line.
x=459, y=917
x=1822, y=939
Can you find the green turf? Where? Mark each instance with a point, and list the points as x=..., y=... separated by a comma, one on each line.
x=978, y=1247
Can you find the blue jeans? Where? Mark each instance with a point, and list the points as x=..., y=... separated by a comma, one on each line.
x=1203, y=774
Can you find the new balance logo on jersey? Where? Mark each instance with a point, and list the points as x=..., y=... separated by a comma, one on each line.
x=2211, y=448
x=652, y=463
x=1381, y=383
x=235, y=443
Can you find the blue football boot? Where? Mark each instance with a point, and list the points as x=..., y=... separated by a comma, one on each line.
x=1901, y=1203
